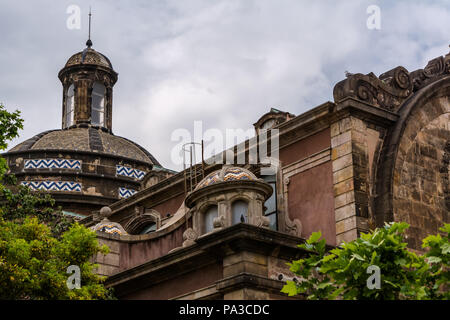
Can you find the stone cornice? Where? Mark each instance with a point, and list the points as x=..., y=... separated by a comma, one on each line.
x=306, y=163
x=387, y=91
x=83, y=199
x=391, y=89
x=207, y=250
x=373, y=114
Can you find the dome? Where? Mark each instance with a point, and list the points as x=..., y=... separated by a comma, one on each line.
x=227, y=173
x=89, y=56
x=86, y=139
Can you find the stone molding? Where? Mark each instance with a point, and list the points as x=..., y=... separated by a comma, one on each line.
x=307, y=163
x=225, y=243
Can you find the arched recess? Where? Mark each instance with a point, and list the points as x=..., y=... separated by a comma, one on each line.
x=239, y=211
x=140, y=222
x=413, y=174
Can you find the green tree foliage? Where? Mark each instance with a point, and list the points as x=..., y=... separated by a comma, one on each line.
x=33, y=263
x=10, y=124
x=342, y=272
x=37, y=243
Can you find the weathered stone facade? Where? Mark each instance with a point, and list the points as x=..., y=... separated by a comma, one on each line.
x=379, y=153
x=421, y=185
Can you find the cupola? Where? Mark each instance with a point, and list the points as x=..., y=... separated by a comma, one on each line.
x=88, y=78
x=226, y=197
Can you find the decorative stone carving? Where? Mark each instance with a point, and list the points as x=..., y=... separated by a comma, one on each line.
x=387, y=92
x=435, y=68
x=262, y=221
x=219, y=222
x=392, y=88
x=293, y=227
x=189, y=237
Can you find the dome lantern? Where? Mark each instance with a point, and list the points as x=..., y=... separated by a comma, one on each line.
x=88, y=78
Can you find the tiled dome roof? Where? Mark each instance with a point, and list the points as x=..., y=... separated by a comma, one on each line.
x=89, y=56
x=227, y=173
x=86, y=139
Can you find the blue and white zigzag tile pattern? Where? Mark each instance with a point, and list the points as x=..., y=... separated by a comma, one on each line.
x=125, y=193
x=129, y=172
x=53, y=164
x=53, y=185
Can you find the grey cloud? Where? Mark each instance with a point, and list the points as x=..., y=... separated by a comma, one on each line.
x=223, y=62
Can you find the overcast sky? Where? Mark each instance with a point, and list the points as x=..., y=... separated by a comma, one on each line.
x=225, y=63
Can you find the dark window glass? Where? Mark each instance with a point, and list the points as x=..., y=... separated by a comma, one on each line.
x=149, y=228
x=239, y=209
x=208, y=218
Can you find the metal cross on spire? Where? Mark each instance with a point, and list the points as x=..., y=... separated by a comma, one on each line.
x=89, y=42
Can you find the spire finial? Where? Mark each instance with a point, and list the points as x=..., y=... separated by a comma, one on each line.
x=89, y=42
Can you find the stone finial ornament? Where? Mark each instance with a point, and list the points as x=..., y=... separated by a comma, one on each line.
x=105, y=212
x=107, y=226
x=262, y=222
x=219, y=222
x=189, y=237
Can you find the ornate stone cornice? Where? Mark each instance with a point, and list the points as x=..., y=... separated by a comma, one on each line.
x=434, y=69
x=392, y=88
x=387, y=91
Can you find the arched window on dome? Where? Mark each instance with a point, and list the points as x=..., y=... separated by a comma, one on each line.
x=239, y=210
x=70, y=106
x=208, y=218
x=98, y=104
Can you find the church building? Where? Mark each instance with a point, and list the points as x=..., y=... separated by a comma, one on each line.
x=379, y=152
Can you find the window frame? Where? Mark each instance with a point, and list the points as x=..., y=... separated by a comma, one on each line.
x=70, y=107
x=101, y=110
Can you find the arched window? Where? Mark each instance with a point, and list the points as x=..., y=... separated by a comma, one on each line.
x=70, y=106
x=151, y=227
x=239, y=210
x=208, y=219
x=98, y=104
x=269, y=124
